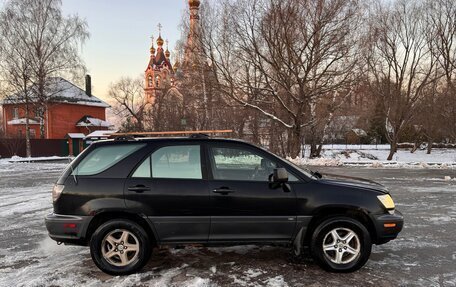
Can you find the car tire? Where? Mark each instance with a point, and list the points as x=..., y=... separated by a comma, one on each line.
x=340, y=244
x=120, y=247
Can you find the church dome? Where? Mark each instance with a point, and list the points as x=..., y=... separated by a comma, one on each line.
x=167, y=53
x=194, y=3
x=160, y=41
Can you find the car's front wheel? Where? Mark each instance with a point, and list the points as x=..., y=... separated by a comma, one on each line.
x=341, y=244
x=120, y=247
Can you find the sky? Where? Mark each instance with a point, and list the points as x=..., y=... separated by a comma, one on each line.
x=120, y=32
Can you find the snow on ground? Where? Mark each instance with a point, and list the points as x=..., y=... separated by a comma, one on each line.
x=375, y=156
x=423, y=255
x=17, y=159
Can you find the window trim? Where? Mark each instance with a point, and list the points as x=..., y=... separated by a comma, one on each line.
x=254, y=150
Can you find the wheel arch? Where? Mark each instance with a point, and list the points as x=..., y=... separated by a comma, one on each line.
x=327, y=212
x=103, y=217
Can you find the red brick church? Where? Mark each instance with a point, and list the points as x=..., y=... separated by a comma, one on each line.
x=68, y=110
x=160, y=72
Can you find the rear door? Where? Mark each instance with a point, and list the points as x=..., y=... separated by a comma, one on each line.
x=245, y=207
x=169, y=187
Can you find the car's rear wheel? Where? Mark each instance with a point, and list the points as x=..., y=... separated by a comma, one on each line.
x=120, y=247
x=341, y=244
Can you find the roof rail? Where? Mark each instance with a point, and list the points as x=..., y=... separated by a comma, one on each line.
x=193, y=134
x=199, y=136
x=124, y=138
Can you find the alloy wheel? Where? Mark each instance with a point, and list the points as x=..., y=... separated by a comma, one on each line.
x=120, y=247
x=341, y=245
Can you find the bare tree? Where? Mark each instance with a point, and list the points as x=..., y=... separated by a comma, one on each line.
x=441, y=17
x=15, y=72
x=49, y=39
x=286, y=59
x=129, y=102
x=400, y=63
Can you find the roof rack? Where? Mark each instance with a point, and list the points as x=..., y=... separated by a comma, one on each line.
x=193, y=134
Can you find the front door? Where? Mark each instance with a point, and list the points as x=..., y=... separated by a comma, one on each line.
x=76, y=147
x=169, y=188
x=245, y=207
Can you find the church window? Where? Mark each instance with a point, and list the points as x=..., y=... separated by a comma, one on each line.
x=157, y=81
x=150, y=82
x=15, y=113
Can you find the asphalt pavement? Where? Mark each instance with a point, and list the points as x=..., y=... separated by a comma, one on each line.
x=423, y=255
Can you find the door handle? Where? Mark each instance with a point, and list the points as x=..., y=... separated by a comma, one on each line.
x=223, y=190
x=139, y=188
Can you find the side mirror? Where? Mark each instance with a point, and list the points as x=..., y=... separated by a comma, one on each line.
x=280, y=175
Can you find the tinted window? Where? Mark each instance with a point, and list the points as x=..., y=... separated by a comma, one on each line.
x=242, y=164
x=104, y=157
x=182, y=161
x=144, y=169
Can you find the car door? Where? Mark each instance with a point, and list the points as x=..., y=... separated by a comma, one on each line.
x=169, y=187
x=245, y=206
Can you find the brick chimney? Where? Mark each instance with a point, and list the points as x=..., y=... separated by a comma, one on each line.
x=88, y=82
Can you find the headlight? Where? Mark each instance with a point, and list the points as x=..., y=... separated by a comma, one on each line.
x=57, y=191
x=387, y=201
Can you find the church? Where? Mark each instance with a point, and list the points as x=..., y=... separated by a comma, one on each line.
x=181, y=95
x=185, y=95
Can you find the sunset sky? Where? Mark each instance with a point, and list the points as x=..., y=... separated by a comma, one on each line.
x=120, y=34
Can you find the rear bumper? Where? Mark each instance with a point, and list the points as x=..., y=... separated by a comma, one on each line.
x=67, y=228
x=388, y=226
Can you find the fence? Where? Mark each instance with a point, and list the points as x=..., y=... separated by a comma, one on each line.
x=40, y=147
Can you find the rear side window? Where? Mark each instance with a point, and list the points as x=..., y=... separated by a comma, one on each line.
x=180, y=161
x=104, y=157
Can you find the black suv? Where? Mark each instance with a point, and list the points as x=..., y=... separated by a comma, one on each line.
x=122, y=197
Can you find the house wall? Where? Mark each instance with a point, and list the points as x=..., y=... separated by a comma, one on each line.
x=17, y=130
x=62, y=119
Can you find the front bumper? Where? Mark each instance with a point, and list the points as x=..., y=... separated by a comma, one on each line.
x=67, y=228
x=388, y=226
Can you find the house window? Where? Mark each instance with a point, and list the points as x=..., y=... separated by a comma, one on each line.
x=16, y=113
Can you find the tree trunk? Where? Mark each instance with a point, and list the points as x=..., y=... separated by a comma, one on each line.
x=28, y=147
x=393, y=148
x=295, y=142
x=42, y=126
x=314, y=150
x=318, y=151
x=429, y=147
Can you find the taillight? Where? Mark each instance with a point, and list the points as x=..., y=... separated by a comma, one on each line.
x=57, y=191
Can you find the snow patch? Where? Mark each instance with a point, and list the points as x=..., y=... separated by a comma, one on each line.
x=277, y=281
x=372, y=156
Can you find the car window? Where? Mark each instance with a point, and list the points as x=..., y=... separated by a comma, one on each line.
x=180, y=161
x=242, y=164
x=103, y=157
x=144, y=169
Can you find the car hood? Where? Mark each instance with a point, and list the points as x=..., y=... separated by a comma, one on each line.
x=342, y=180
